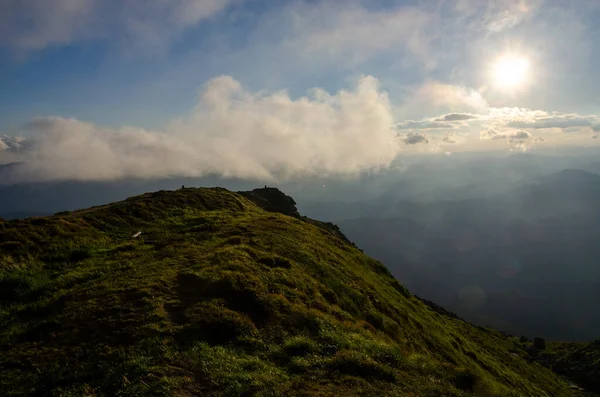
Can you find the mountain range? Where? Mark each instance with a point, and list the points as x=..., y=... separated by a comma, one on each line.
x=525, y=261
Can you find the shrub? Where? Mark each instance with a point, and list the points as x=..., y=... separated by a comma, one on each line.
x=215, y=324
x=357, y=364
x=235, y=240
x=539, y=343
x=15, y=286
x=274, y=262
x=80, y=254
x=465, y=380
x=299, y=346
x=241, y=292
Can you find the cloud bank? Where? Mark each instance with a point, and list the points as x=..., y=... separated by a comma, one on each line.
x=235, y=132
x=231, y=132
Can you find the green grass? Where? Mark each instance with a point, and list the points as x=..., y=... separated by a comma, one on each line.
x=220, y=297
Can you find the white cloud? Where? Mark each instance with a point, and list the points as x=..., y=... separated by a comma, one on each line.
x=232, y=132
x=30, y=25
x=11, y=143
x=518, y=140
x=554, y=121
x=502, y=15
x=496, y=16
x=513, y=135
x=434, y=96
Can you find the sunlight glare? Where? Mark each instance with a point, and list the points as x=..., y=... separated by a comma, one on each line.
x=510, y=71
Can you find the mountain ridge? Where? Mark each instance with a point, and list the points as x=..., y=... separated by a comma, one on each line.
x=218, y=296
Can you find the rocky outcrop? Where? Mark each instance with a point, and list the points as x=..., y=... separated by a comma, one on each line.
x=273, y=200
x=539, y=343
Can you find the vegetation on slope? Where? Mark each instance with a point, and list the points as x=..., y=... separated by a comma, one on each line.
x=578, y=361
x=220, y=297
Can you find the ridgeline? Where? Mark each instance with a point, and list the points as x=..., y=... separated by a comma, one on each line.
x=231, y=294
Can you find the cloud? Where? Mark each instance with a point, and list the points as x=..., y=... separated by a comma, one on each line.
x=352, y=33
x=456, y=117
x=509, y=119
x=492, y=133
x=30, y=25
x=450, y=137
x=497, y=16
x=434, y=96
x=231, y=132
x=554, y=121
x=515, y=114
x=520, y=135
x=513, y=135
x=423, y=124
x=34, y=25
x=504, y=15
x=415, y=138
x=12, y=143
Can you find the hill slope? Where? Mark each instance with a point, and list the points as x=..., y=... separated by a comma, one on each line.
x=579, y=361
x=221, y=297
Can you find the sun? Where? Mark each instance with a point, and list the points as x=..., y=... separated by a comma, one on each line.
x=510, y=72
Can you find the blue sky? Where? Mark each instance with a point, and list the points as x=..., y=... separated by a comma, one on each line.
x=299, y=86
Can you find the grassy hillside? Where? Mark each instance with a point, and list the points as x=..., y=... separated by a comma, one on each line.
x=579, y=361
x=220, y=297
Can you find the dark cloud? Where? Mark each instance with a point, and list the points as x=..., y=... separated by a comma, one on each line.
x=492, y=133
x=423, y=125
x=456, y=117
x=513, y=136
x=520, y=135
x=413, y=139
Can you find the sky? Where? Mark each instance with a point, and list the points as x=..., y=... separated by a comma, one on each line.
x=107, y=89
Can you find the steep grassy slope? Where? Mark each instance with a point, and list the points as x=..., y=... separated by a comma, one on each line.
x=579, y=361
x=220, y=297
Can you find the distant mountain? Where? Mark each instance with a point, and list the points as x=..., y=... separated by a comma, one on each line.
x=525, y=261
x=222, y=294
x=8, y=172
